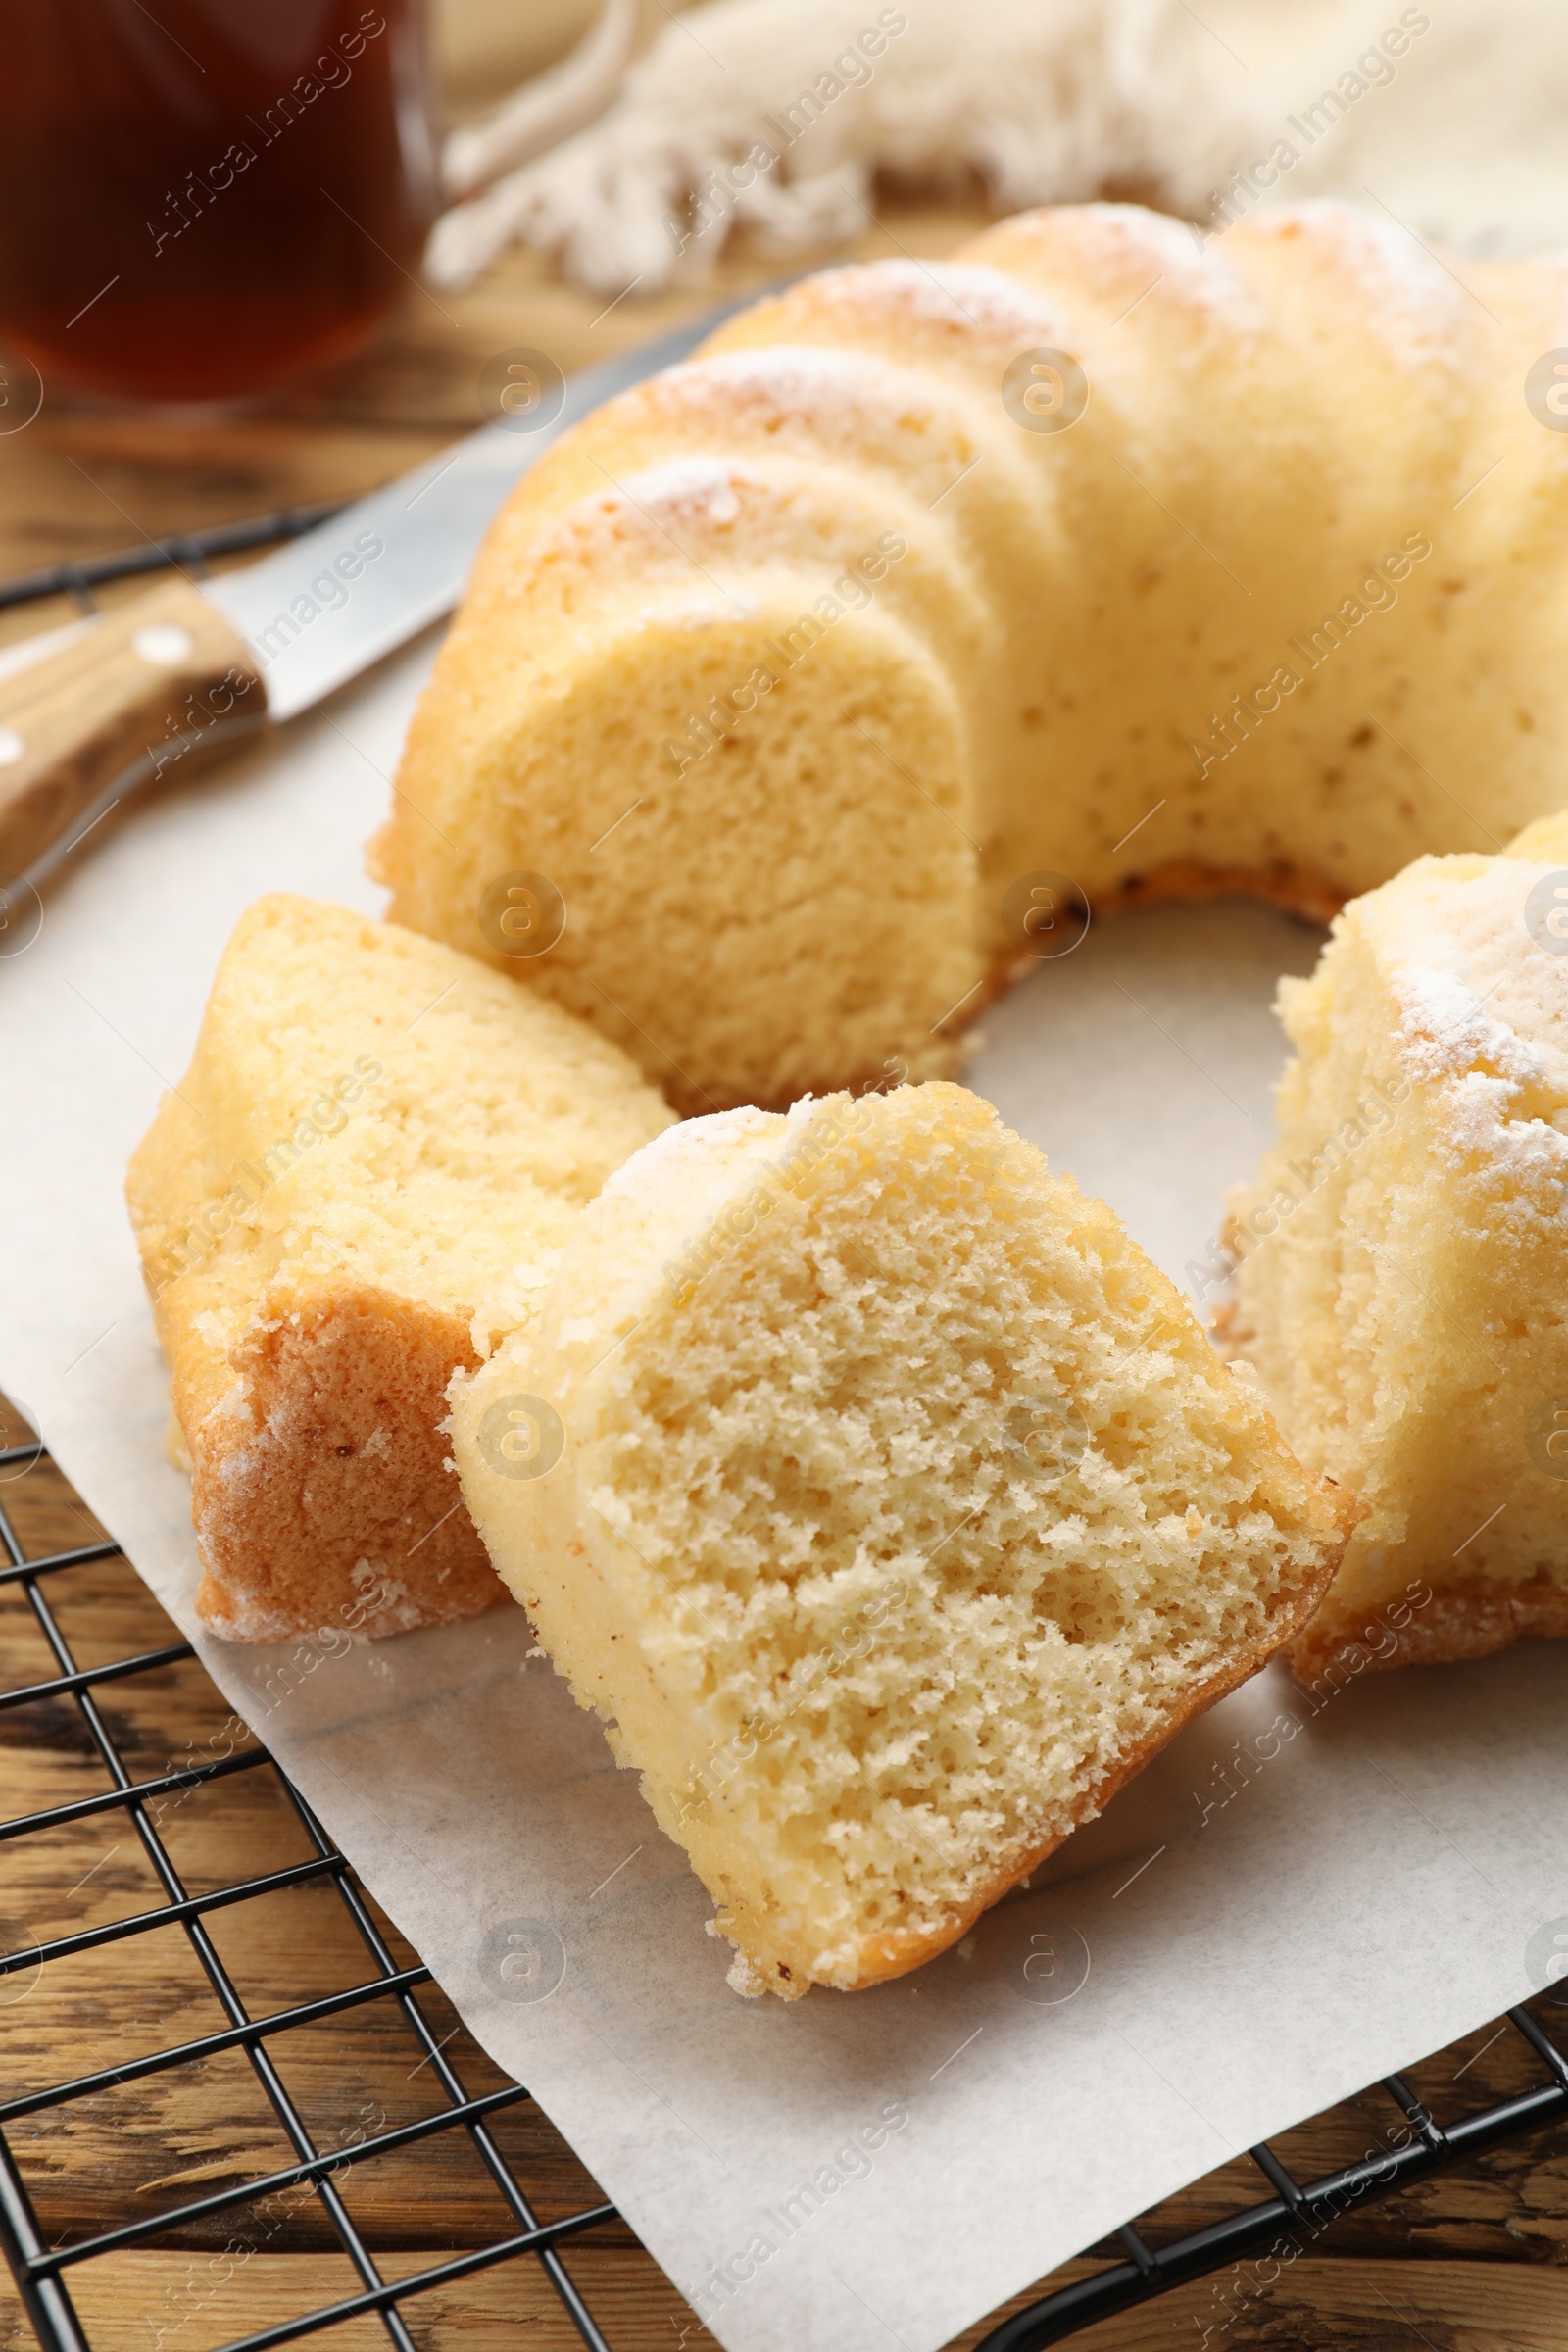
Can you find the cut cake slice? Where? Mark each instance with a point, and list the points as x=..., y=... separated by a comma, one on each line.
x=375, y=1156
x=891, y=1504
x=1403, y=1277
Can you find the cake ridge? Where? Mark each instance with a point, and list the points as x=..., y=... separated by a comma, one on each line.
x=1181, y=493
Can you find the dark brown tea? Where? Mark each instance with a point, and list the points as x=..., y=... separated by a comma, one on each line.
x=200, y=198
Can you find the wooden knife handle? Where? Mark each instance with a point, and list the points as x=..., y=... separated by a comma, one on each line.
x=145, y=686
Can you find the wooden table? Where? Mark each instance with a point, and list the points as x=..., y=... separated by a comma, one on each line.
x=1471, y=2260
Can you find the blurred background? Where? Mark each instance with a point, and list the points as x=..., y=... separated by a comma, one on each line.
x=257, y=262
x=633, y=140
x=482, y=46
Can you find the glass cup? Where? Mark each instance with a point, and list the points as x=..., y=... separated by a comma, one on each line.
x=200, y=199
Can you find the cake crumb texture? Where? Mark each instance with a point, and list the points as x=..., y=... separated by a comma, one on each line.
x=904, y=1511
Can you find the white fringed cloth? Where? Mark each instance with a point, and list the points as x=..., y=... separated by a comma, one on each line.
x=777, y=115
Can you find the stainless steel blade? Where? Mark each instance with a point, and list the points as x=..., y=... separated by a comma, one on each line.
x=331, y=602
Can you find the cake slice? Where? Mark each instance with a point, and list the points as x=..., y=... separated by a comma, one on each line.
x=375, y=1156
x=889, y=1502
x=1403, y=1277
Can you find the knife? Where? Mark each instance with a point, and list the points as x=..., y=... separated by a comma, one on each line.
x=191, y=666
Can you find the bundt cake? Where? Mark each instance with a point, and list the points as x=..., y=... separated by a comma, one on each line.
x=892, y=1505
x=374, y=1158
x=815, y=675
x=1403, y=1284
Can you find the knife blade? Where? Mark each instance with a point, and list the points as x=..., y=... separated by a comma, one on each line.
x=191, y=666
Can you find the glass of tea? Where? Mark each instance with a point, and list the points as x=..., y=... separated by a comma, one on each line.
x=200, y=199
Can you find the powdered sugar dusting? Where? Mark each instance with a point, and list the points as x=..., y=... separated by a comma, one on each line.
x=950, y=294
x=661, y=506
x=1413, y=306
x=1445, y=1030
x=648, y=1210
x=1127, y=236
x=1482, y=1009
x=848, y=388
x=697, y=489
x=670, y=608
x=1134, y=255
x=1464, y=957
x=682, y=1152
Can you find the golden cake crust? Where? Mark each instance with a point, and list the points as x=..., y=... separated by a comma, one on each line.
x=1455, y=1624
x=321, y=1491
x=378, y=1147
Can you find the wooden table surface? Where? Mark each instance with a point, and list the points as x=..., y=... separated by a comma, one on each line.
x=1472, y=2262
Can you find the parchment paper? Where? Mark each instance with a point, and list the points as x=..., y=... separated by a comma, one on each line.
x=1284, y=1907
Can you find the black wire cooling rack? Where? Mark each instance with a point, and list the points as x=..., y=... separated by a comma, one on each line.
x=1291, y=2218
x=189, y=551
